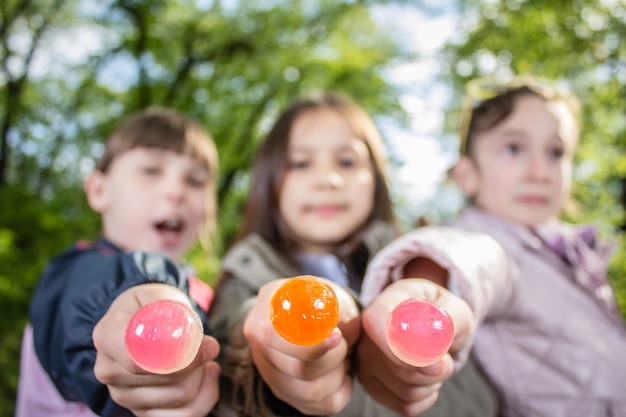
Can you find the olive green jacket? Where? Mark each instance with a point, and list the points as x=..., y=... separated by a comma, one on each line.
x=252, y=263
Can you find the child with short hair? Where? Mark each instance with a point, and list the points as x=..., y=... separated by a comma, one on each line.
x=154, y=188
x=319, y=205
x=549, y=337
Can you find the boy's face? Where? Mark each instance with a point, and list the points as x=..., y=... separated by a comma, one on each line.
x=151, y=200
x=328, y=191
x=520, y=170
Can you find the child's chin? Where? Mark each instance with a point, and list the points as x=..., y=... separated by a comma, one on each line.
x=174, y=253
x=532, y=222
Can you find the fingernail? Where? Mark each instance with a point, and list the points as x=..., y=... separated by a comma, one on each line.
x=334, y=338
x=214, y=371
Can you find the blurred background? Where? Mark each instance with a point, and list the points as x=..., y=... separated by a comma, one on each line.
x=71, y=69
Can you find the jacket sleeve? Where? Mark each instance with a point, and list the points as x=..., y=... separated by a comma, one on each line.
x=478, y=268
x=71, y=297
x=242, y=390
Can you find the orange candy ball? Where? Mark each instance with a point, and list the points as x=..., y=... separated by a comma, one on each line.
x=304, y=310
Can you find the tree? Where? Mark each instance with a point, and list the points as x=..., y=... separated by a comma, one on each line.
x=72, y=68
x=231, y=66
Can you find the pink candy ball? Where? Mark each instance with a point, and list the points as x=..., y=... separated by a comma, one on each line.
x=163, y=336
x=419, y=332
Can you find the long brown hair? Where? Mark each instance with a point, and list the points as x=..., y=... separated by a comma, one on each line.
x=262, y=213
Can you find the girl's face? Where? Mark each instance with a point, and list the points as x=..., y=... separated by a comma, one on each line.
x=328, y=190
x=151, y=200
x=520, y=170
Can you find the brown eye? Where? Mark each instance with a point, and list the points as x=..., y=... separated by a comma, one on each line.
x=348, y=162
x=512, y=149
x=556, y=153
x=151, y=170
x=197, y=181
x=298, y=164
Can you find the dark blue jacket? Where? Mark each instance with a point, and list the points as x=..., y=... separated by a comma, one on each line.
x=72, y=295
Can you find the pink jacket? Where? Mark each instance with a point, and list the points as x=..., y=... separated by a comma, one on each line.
x=550, y=345
x=36, y=393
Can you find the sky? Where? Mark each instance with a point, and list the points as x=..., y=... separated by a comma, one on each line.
x=424, y=97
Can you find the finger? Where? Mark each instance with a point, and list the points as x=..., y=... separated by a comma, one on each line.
x=174, y=394
x=302, y=362
x=461, y=314
x=327, y=395
x=262, y=336
x=108, y=334
x=349, y=316
x=207, y=352
x=376, y=315
x=398, y=374
x=459, y=310
x=147, y=293
x=411, y=400
x=194, y=395
x=349, y=312
x=312, y=353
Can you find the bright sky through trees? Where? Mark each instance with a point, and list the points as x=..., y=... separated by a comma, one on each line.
x=422, y=146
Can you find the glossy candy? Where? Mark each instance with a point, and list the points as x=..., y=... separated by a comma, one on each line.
x=163, y=336
x=304, y=310
x=419, y=332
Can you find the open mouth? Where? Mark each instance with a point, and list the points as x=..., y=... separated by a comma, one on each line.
x=170, y=230
x=170, y=226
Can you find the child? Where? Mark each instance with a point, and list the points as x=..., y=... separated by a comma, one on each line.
x=319, y=205
x=550, y=337
x=154, y=189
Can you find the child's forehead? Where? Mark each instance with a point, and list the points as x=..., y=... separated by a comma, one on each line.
x=558, y=109
x=322, y=119
x=568, y=126
x=537, y=118
x=158, y=154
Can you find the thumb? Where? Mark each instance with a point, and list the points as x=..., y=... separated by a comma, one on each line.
x=209, y=349
x=207, y=352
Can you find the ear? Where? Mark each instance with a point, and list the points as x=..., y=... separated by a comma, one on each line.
x=95, y=189
x=466, y=176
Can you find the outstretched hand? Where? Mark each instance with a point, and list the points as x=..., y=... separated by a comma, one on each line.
x=191, y=392
x=401, y=387
x=313, y=379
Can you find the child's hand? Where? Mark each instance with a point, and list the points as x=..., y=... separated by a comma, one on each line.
x=403, y=388
x=313, y=379
x=192, y=391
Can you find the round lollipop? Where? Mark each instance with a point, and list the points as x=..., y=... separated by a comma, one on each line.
x=419, y=332
x=304, y=310
x=163, y=336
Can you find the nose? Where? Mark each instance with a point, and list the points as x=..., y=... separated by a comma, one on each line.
x=174, y=188
x=332, y=179
x=539, y=168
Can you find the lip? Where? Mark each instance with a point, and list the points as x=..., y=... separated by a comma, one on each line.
x=326, y=210
x=169, y=236
x=534, y=200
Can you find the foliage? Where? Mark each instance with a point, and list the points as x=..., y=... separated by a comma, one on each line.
x=31, y=231
x=72, y=68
